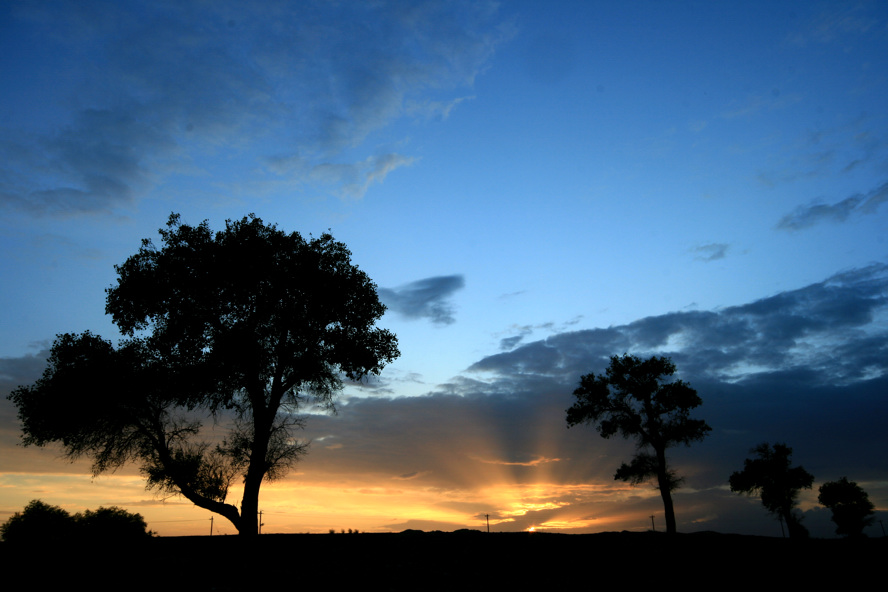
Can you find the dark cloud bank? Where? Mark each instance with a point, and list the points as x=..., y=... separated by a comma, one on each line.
x=808, y=367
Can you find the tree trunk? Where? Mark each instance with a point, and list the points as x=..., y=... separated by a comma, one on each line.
x=794, y=527
x=249, y=522
x=249, y=525
x=665, y=485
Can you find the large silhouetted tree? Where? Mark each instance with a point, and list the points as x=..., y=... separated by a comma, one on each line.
x=634, y=400
x=778, y=483
x=244, y=326
x=852, y=510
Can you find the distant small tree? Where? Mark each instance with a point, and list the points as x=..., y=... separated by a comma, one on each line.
x=634, y=400
x=38, y=523
x=771, y=476
x=111, y=524
x=852, y=511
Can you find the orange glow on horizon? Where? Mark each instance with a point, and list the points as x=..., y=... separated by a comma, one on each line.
x=299, y=505
x=436, y=488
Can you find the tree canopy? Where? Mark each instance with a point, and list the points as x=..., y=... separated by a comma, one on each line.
x=852, y=510
x=247, y=326
x=38, y=523
x=771, y=476
x=634, y=400
x=41, y=523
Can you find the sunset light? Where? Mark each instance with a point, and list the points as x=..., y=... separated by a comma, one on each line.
x=514, y=193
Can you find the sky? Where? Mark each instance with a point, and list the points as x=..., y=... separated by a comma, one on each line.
x=534, y=187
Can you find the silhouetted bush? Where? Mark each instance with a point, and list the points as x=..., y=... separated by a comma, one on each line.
x=111, y=524
x=41, y=523
x=38, y=523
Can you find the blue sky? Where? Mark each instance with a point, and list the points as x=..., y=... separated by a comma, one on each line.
x=533, y=187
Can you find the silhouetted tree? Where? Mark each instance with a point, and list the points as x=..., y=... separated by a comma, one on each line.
x=38, y=523
x=771, y=476
x=42, y=523
x=109, y=524
x=633, y=400
x=245, y=326
x=852, y=510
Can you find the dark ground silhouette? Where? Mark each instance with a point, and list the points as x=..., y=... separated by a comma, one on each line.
x=447, y=561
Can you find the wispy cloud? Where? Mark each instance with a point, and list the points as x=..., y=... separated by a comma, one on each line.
x=806, y=216
x=836, y=23
x=408, y=476
x=434, y=109
x=755, y=104
x=427, y=298
x=353, y=178
x=525, y=331
x=711, y=252
x=23, y=370
x=528, y=463
x=276, y=82
x=507, y=343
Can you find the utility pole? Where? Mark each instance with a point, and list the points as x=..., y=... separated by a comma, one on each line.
x=654, y=528
x=211, y=525
x=260, y=522
x=488, y=522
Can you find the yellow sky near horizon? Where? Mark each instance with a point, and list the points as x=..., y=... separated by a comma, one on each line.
x=452, y=489
x=301, y=503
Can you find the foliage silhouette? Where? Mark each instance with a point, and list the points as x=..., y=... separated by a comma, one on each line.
x=633, y=400
x=852, y=510
x=245, y=326
x=111, y=523
x=41, y=523
x=771, y=476
x=38, y=523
